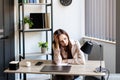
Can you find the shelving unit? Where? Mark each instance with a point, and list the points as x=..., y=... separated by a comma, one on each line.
x=48, y=7
x=22, y=31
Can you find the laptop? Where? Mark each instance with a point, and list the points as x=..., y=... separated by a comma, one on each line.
x=56, y=69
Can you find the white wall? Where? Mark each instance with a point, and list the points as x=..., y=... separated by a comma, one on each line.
x=109, y=52
x=70, y=18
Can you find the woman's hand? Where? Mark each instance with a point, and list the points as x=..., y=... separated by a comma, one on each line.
x=56, y=42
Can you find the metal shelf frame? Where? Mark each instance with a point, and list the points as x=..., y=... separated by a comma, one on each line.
x=22, y=31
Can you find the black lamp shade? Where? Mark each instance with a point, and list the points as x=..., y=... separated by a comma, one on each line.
x=87, y=47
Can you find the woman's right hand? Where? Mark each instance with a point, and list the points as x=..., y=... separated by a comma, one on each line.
x=56, y=42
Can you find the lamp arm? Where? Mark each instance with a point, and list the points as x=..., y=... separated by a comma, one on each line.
x=100, y=57
x=100, y=68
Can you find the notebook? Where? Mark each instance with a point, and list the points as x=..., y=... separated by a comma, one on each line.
x=56, y=69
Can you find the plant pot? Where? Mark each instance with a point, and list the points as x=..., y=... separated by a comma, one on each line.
x=43, y=50
x=26, y=26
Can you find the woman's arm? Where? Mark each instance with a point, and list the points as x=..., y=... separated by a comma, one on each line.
x=78, y=55
x=57, y=57
x=56, y=50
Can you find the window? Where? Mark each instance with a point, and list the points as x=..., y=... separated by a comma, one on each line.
x=100, y=19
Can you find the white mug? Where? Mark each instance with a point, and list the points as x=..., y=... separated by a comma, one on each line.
x=28, y=63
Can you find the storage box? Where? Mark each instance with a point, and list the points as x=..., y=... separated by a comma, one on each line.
x=14, y=65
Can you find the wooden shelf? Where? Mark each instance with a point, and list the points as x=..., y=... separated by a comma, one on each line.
x=36, y=30
x=37, y=54
x=48, y=4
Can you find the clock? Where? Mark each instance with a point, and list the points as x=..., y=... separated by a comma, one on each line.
x=65, y=2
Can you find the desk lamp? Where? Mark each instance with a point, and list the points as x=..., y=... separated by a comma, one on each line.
x=87, y=47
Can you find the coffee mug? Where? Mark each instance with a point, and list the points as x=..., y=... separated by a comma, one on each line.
x=28, y=63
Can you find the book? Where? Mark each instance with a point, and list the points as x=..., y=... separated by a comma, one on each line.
x=34, y=1
x=25, y=1
x=19, y=1
x=37, y=1
x=47, y=20
x=28, y=1
x=38, y=20
x=31, y=1
x=42, y=1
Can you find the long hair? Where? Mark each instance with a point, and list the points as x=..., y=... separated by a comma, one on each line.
x=58, y=33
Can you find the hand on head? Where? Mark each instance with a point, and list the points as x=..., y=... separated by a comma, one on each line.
x=56, y=40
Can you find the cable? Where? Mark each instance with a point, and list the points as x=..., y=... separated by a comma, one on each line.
x=108, y=72
x=103, y=70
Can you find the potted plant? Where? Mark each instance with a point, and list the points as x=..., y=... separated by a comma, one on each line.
x=44, y=46
x=28, y=23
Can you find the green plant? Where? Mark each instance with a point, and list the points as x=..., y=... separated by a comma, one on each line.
x=43, y=44
x=27, y=20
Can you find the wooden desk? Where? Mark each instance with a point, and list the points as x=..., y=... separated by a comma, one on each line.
x=83, y=70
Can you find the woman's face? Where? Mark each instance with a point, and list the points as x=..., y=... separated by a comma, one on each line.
x=63, y=39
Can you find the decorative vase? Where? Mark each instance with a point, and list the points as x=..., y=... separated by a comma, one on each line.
x=43, y=50
x=26, y=26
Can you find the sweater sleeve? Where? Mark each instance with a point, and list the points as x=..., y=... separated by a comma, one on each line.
x=57, y=56
x=78, y=55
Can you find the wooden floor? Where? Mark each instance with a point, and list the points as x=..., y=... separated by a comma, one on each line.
x=38, y=77
x=114, y=77
x=48, y=77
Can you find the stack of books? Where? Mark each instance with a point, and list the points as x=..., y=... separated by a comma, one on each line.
x=40, y=20
x=32, y=1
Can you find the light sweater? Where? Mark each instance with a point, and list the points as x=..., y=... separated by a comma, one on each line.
x=77, y=54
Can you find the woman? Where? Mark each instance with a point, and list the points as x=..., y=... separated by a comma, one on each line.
x=66, y=51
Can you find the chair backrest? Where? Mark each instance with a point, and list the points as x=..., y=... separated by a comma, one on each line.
x=96, y=54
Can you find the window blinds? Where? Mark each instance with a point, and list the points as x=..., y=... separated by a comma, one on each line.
x=100, y=19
